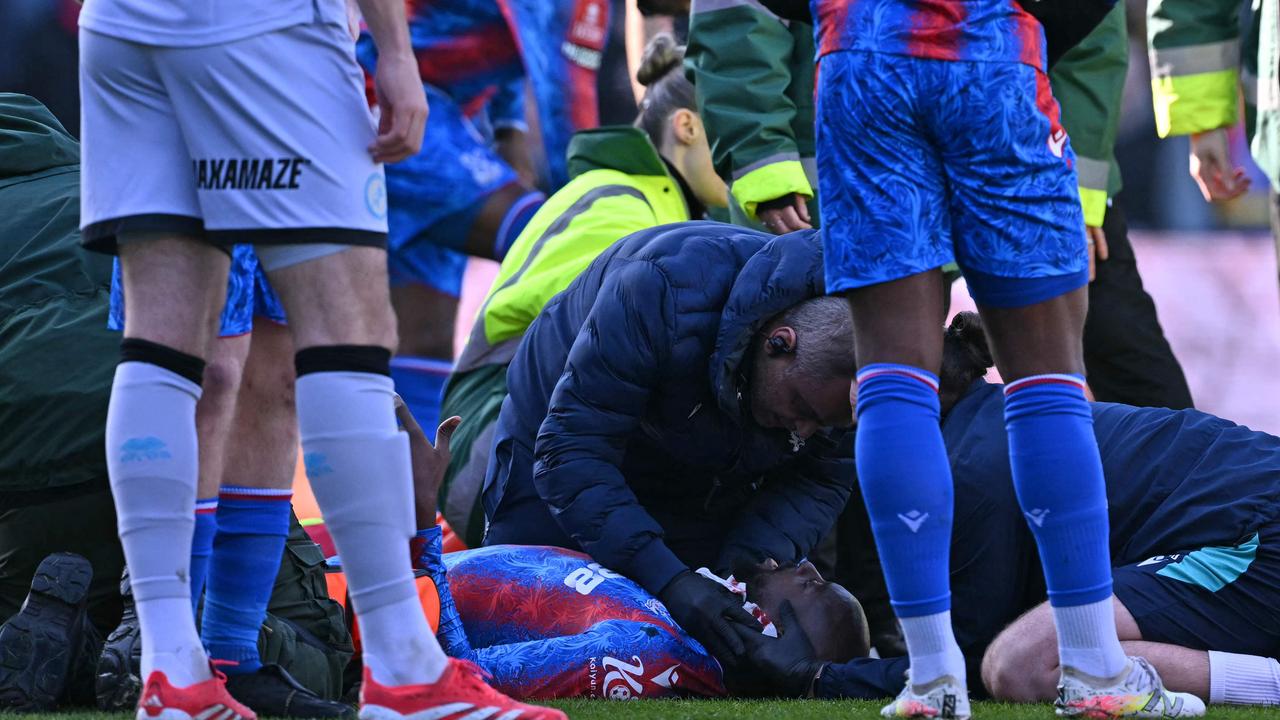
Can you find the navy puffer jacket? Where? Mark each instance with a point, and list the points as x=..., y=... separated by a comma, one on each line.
x=625, y=433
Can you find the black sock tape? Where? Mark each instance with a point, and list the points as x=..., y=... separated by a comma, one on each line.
x=343, y=358
x=175, y=361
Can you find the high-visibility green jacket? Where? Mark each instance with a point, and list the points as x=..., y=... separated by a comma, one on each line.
x=619, y=184
x=753, y=76
x=1198, y=67
x=1088, y=82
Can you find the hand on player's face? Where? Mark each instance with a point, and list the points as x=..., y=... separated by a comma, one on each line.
x=403, y=107
x=825, y=610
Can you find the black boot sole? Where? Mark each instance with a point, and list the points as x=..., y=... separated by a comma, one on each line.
x=38, y=644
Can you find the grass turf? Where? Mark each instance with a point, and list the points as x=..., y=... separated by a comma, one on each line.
x=763, y=709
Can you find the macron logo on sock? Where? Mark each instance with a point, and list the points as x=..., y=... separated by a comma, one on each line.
x=1037, y=516
x=913, y=519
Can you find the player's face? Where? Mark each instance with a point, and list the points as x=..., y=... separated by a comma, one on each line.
x=800, y=404
x=828, y=614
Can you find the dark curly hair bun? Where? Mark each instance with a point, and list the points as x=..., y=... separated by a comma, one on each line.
x=661, y=56
x=965, y=353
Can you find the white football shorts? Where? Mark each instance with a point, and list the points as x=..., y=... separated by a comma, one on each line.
x=262, y=141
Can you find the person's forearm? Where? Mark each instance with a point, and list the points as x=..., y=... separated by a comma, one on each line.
x=388, y=25
x=862, y=678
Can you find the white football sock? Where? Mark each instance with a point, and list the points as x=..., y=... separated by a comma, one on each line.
x=358, y=464
x=1236, y=679
x=931, y=644
x=152, y=461
x=1087, y=639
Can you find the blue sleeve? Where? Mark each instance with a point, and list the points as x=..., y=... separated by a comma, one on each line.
x=862, y=679
x=430, y=557
x=616, y=360
x=796, y=508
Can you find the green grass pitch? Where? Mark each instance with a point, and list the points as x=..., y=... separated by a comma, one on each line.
x=756, y=709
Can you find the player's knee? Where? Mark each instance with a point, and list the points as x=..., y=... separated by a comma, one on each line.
x=1014, y=670
x=222, y=376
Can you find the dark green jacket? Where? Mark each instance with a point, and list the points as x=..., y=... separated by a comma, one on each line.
x=1088, y=82
x=56, y=355
x=1201, y=63
x=753, y=77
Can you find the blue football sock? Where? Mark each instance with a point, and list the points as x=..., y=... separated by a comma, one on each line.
x=1057, y=473
x=202, y=547
x=513, y=223
x=420, y=382
x=906, y=483
x=252, y=526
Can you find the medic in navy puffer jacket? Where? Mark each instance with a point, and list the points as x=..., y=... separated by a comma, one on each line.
x=624, y=433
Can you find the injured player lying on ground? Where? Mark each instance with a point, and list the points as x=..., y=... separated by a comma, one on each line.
x=547, y=622
x=1193, y=501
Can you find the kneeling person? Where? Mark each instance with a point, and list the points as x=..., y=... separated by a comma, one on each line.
x=656, y=421
x=549, y=623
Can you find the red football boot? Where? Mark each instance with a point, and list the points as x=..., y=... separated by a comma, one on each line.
x=208, y=700
x=460, y=692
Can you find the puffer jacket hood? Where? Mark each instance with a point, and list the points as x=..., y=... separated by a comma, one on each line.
x=623, y=434
x=784, y=272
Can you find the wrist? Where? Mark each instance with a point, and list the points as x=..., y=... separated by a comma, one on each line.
x=812, y=689
x=425, y=516
x=398, y=52
x=666, y=589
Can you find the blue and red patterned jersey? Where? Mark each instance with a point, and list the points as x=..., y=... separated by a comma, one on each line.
x=976, y=30
x=482, y=52
x=466, y=48
x=551, y=623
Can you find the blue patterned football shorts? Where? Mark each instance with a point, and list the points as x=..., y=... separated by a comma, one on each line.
x=921, y=162
x=249, y=295
x=433, y=197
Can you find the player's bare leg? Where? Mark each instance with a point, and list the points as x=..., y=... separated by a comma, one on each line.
x=899, y=441
x=174, y=287
x=1022, y=663
x=1057, y=472
x=215, y=414
x=425, y=321
x=358, y=463
x=340, y=317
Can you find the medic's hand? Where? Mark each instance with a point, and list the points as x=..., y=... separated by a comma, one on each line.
x=1211, y=167
x=429, y=462
x=784, y=664
x=403, y=107
x=785, y=214
x=710, y=613
x=1098, y=252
